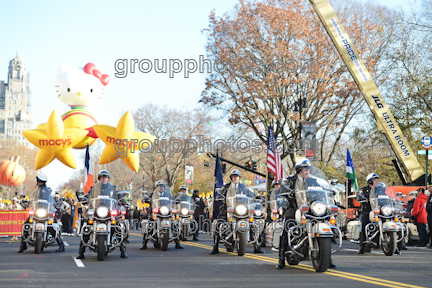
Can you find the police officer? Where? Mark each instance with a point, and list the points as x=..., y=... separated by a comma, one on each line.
x=235, y=180
x=103, y=188
x=161, y=192
x=364, y=193
x=42, y=193
x=303, y=169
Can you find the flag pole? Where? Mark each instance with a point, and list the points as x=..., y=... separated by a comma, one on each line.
x=346, y=197
x=267, y=179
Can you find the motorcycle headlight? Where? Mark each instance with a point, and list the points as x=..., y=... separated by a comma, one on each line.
x=241, y=210
x=184, y=211
x=164, y=210
x=386, y=210
x=318, y=208
x=258, y=213
x=90, y=212
x=41, y=213
x=102, y=211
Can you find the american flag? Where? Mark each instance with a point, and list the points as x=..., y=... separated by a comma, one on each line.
x=274, y=163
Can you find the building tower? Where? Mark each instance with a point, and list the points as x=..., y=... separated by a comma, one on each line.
x=15, y=114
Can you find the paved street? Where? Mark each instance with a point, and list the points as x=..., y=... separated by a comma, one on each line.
x=194, y=267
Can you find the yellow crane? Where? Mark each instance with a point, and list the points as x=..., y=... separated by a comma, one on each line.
x=404, y=159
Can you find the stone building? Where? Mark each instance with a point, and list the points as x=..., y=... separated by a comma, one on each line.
x=15, y=103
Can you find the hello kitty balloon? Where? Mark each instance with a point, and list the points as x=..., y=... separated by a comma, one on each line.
x=81, y=86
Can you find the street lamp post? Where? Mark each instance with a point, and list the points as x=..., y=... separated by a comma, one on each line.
x=299, y=105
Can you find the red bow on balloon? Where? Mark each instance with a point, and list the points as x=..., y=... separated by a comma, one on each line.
x=90, y=68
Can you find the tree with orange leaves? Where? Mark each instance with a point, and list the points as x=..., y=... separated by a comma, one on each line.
x=265, y=56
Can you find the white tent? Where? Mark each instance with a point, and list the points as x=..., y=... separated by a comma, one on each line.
x=262, y=186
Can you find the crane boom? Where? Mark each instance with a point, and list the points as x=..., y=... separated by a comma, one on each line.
x=386, y=123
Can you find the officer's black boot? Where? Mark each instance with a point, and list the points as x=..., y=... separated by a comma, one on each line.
x=177, y=242
x=23, y=246
x=361, y=250
x=61, y=245
x=123, y=250
x=397, y=252
x=331, y=264
x=215, y=245
x=81, y=252
x=144, y=243
x=257, y=248
x=282, y=247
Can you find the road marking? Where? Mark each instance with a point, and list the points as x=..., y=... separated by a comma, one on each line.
x=374, y=252
x=346, y=275
x=78, y=262
x=65, y=243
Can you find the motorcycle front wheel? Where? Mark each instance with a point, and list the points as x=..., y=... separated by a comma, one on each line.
x=241, y=248
x=165, y=239
x=184, y=233
x=321, y=258
x=38, y=242
x=389, y=243
x=101, y=247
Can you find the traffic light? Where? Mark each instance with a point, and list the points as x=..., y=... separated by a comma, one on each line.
x=249, y=164
x=254, y=165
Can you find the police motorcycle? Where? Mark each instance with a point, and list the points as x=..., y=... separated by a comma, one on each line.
x=382, y=231
x=105, y=228
x=402, y=234
x=42, y=229
x=277, y=204
x=164, y=225
x=315, y=219
x=186, y=208
x=236, y=232
x=258, y=218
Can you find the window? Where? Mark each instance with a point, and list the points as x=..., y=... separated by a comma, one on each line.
x=9, y=109
x=10, y=102
x=15, y=102
x=15, y=108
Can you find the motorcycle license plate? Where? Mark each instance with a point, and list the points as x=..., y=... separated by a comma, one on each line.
x=40, y=226
x=101, y=228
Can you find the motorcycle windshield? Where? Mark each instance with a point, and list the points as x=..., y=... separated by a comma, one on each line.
x=186, y=202
x=162, y=197
x=239, y=195
x=382, y=195
x=44, y=204
x=105, y=201
x=313, y=188
x=257, y=206
x=278, y=201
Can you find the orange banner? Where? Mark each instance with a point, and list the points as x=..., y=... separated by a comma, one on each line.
x=12, y=221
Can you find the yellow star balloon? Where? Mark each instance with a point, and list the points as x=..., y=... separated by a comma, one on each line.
x=123, y=142
x=55, y=142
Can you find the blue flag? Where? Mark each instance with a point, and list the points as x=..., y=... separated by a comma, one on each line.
x=218, y=184
x=218, y=174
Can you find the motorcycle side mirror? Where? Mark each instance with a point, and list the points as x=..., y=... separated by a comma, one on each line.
x=220, y=197
x=334, y=182
x=197, y=200
x=399, y=194
x=403, y=196
x=147, y=200
x=361, y=199
x=122, y=201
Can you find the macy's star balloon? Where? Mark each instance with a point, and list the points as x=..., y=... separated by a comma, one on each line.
x=123, y=142
x=55, y=142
